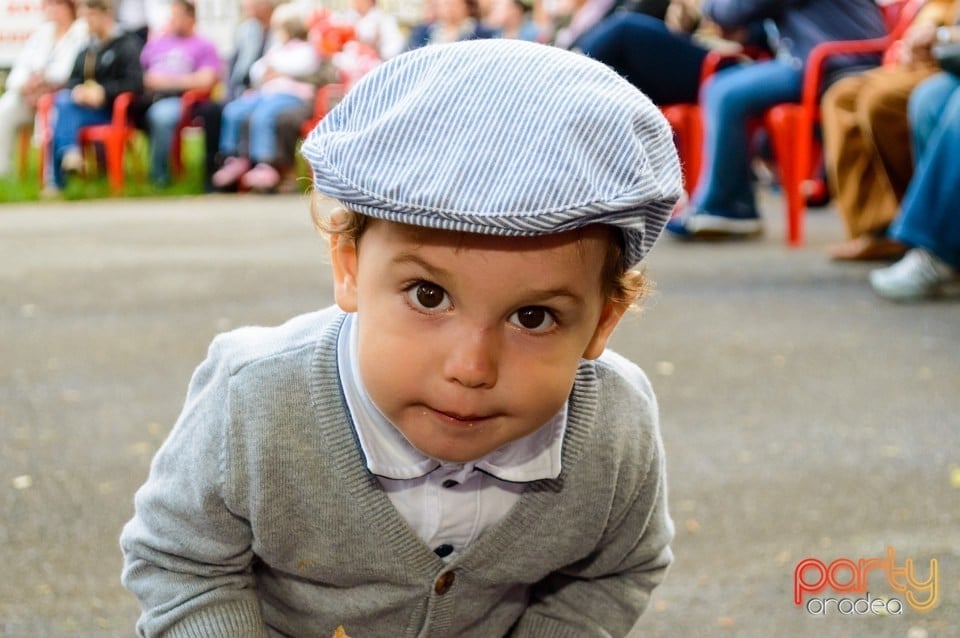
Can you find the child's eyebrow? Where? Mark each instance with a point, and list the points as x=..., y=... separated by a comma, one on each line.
x=405, y=258
x=553, y=294
x=531, y=295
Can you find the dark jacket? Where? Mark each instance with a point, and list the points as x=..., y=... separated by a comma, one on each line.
x=654, y=8
x=114, y=64
x=803, y=24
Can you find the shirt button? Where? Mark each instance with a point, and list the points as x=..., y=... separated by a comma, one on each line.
x=443, y=550
x=444, y=583
x=450, y=483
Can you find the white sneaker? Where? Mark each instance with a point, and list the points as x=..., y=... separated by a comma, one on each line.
x=919, y=275
x=72, y=161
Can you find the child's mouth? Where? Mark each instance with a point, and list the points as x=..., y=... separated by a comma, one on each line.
x=460, y=419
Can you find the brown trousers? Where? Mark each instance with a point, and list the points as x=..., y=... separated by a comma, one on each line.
x=866, y=145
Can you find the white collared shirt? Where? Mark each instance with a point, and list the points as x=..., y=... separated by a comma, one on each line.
x=448, y=505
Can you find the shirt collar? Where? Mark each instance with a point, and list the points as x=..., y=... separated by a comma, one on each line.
x=388, y=454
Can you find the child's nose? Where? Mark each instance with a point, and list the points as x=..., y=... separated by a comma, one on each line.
x=473, y=358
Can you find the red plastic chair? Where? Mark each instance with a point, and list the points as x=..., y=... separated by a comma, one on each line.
x=792, y=126
x=187, y=120
x=115, y=137
x=327, y=97
x=687, y=119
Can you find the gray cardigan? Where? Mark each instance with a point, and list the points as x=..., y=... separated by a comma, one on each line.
x=259, y=517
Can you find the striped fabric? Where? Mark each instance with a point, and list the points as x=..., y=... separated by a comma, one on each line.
x=500, y=137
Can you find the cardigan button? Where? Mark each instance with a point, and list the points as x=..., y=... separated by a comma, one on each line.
x=444, y=583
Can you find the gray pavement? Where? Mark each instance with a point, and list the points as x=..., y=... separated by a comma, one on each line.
x=803, y=417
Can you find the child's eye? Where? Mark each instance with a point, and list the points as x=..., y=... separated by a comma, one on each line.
x=427, y=296
x=533, y=318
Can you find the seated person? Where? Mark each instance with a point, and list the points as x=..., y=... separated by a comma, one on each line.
x=108, y=66
x=632, y=42
x=866, y=140
x=573, y=20
x=288, y=125
x=251, y=38
x=723, y=203
x=280, y=83
x=173, y=63
x=453, y=20
x=43, y=66
x=928, y=221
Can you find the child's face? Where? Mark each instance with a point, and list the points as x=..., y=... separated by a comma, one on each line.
x=466, y=341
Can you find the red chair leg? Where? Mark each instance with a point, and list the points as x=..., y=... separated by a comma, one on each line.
x=176, y=153
x=115, y=146
x=783, y=123
x=685, y=121
x=694, y=147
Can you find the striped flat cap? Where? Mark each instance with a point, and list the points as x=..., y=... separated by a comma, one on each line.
x=500, y=137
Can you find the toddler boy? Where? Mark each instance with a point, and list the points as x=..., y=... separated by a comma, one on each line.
x=451, y=450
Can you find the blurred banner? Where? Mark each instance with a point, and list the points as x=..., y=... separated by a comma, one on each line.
x=216, y=19
x=18, y=19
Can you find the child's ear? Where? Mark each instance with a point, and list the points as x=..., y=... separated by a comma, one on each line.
x=343, y=258
x=609, y=318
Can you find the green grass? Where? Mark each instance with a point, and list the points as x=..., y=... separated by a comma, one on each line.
x=136, y=181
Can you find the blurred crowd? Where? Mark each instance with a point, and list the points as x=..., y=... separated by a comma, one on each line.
x=889, y=119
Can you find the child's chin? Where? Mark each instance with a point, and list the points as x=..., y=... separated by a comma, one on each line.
x=453, y=453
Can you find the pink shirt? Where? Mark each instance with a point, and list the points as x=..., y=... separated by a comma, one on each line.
x=174, y=56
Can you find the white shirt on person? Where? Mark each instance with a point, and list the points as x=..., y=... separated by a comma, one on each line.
x=44, y=52
x=292, y=60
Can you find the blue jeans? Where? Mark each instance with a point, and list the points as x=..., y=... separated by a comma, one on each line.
x=260, y=111
x=162, y=118
x=69, y=118
x=929, y=217
x=733, y=97
x=663, y=64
